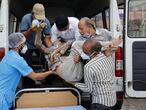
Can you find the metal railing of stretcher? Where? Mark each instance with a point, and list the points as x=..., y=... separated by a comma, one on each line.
x=45, y=90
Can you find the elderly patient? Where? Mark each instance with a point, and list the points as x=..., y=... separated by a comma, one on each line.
x=71, y=69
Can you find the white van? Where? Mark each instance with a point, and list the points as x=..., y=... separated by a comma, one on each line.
x=130, y=64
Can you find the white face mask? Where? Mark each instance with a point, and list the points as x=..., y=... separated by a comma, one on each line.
x=85, y=57
x=63, y=32
x=23, y=51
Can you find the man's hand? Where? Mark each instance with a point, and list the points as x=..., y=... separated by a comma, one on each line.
x=112, y=47
x=76, y=58
x=43, y=25
x=109, y=50
x=54, y=56
x=36, y=25
x=116, y=42
x=34, y=28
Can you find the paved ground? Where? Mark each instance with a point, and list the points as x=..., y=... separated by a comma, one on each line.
x=134, y=104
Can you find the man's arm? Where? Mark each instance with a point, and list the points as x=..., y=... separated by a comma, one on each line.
x=112, y=46
x=77, y=34
x=39, y=76
x=47, y=33
x=27, y=32
x=25, y=26
x=77, y=45
x=89, y=80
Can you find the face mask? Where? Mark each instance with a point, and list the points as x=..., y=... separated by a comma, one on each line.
x=24, y=49
x=86, y=35
x=63, y=32
x=85, y=57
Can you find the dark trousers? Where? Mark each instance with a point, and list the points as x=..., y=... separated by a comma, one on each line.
x=97, y=106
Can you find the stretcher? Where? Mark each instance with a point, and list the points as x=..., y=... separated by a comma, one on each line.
x=48, y=99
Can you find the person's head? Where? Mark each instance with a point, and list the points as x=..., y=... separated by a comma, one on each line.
x=38, y=11
x=86, y=25
x=62, y=23
x=91, y=47
x=16, y=41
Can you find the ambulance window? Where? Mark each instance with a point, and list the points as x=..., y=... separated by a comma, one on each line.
x=98, y=20
x=13, y=23
x=107, y=18
x=137, y=19
x=102, y=19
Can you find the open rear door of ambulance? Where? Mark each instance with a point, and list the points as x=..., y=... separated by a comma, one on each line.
x=135, y=48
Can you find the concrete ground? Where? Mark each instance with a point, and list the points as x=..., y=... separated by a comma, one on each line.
x=134, y=104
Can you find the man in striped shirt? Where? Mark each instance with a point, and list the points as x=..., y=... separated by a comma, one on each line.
x=99, y=77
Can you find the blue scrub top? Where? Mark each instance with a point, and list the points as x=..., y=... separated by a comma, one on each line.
x=12, y=67
x=26, y=24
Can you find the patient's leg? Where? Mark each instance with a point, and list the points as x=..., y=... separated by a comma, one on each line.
x=38, y=42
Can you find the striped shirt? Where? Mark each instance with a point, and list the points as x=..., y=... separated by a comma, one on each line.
x=99, y=80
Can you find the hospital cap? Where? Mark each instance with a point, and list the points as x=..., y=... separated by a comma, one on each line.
x=16, y=39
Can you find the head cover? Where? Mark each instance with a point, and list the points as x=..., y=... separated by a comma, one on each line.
x=61, y=22
x=16, y=39
x=39, y=11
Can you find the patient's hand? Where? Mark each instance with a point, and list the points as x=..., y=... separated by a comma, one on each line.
x=112, y=47
x=116, y=42
x=54, y=56
x=76, y=58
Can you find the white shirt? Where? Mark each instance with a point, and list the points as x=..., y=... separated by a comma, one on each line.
x=70, y=34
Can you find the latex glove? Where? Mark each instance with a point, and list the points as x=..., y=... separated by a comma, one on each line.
x=35, y=24
x=42, y=25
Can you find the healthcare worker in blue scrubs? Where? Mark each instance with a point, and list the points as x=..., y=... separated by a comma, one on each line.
x=12, y=67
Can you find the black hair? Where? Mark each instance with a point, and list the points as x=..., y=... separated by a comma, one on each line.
x=61, y=22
